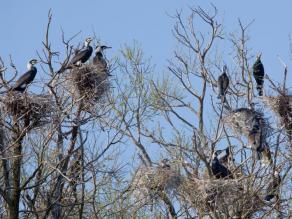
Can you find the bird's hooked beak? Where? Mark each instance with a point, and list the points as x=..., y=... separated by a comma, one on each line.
x=101, y=48
x=105, y=47
x=33, y=61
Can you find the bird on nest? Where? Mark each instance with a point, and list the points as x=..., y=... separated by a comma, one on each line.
x=27, y=78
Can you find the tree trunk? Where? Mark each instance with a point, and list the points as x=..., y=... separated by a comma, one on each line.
x=16, y=168
x=15, y=192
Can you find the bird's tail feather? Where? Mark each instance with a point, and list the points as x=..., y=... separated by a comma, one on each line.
x=260, y=90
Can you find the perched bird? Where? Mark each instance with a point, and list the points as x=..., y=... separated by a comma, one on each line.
x=259, y=73
x=99, y=60
x=24, y=80
x=224, y=159
x=259, y=146
x=255, y=133
x=83, y=55
x=219, y=170
x=223, y=83
x=273, y=187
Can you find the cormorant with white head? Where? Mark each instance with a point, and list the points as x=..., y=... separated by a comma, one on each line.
x=24, y=80
x=99, y=60
x=219, y=170
x=83, y=55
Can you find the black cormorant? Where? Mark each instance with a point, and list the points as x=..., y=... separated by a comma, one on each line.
x=258, y=143
x=27, y=77
x=99, y=61
x=223, y=83
x=259, y=73
x=273, y=187
x=255, y=136
x=219, y=170
x=83, y=55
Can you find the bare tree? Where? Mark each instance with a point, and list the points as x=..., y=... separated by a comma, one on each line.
x=138, y=143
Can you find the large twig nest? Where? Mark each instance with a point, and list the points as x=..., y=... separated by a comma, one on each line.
x=242, y=121
x=282, y=106
x=35, y=108
x=88, y=82
x=149, y=181
x=252, y=124
x=229, y=197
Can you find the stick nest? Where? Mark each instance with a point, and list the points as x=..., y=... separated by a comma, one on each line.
x=282, y=106
x=149, y=181
x=229, y=198
x=35, y=108
x=88, y=82
x=242, y=121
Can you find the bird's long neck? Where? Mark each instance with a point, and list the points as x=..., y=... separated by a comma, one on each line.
x=99, y=54
x=215, y=159
x=29, y=66
x=87, y=44
x=90, y=48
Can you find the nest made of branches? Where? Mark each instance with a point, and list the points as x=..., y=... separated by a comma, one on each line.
x=149, y=181
x=88, y=82
x=242, y=121
x=282, y=106
x=227, y=197
x=35, y=108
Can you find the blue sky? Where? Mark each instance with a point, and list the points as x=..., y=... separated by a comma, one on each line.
x=119, y=22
